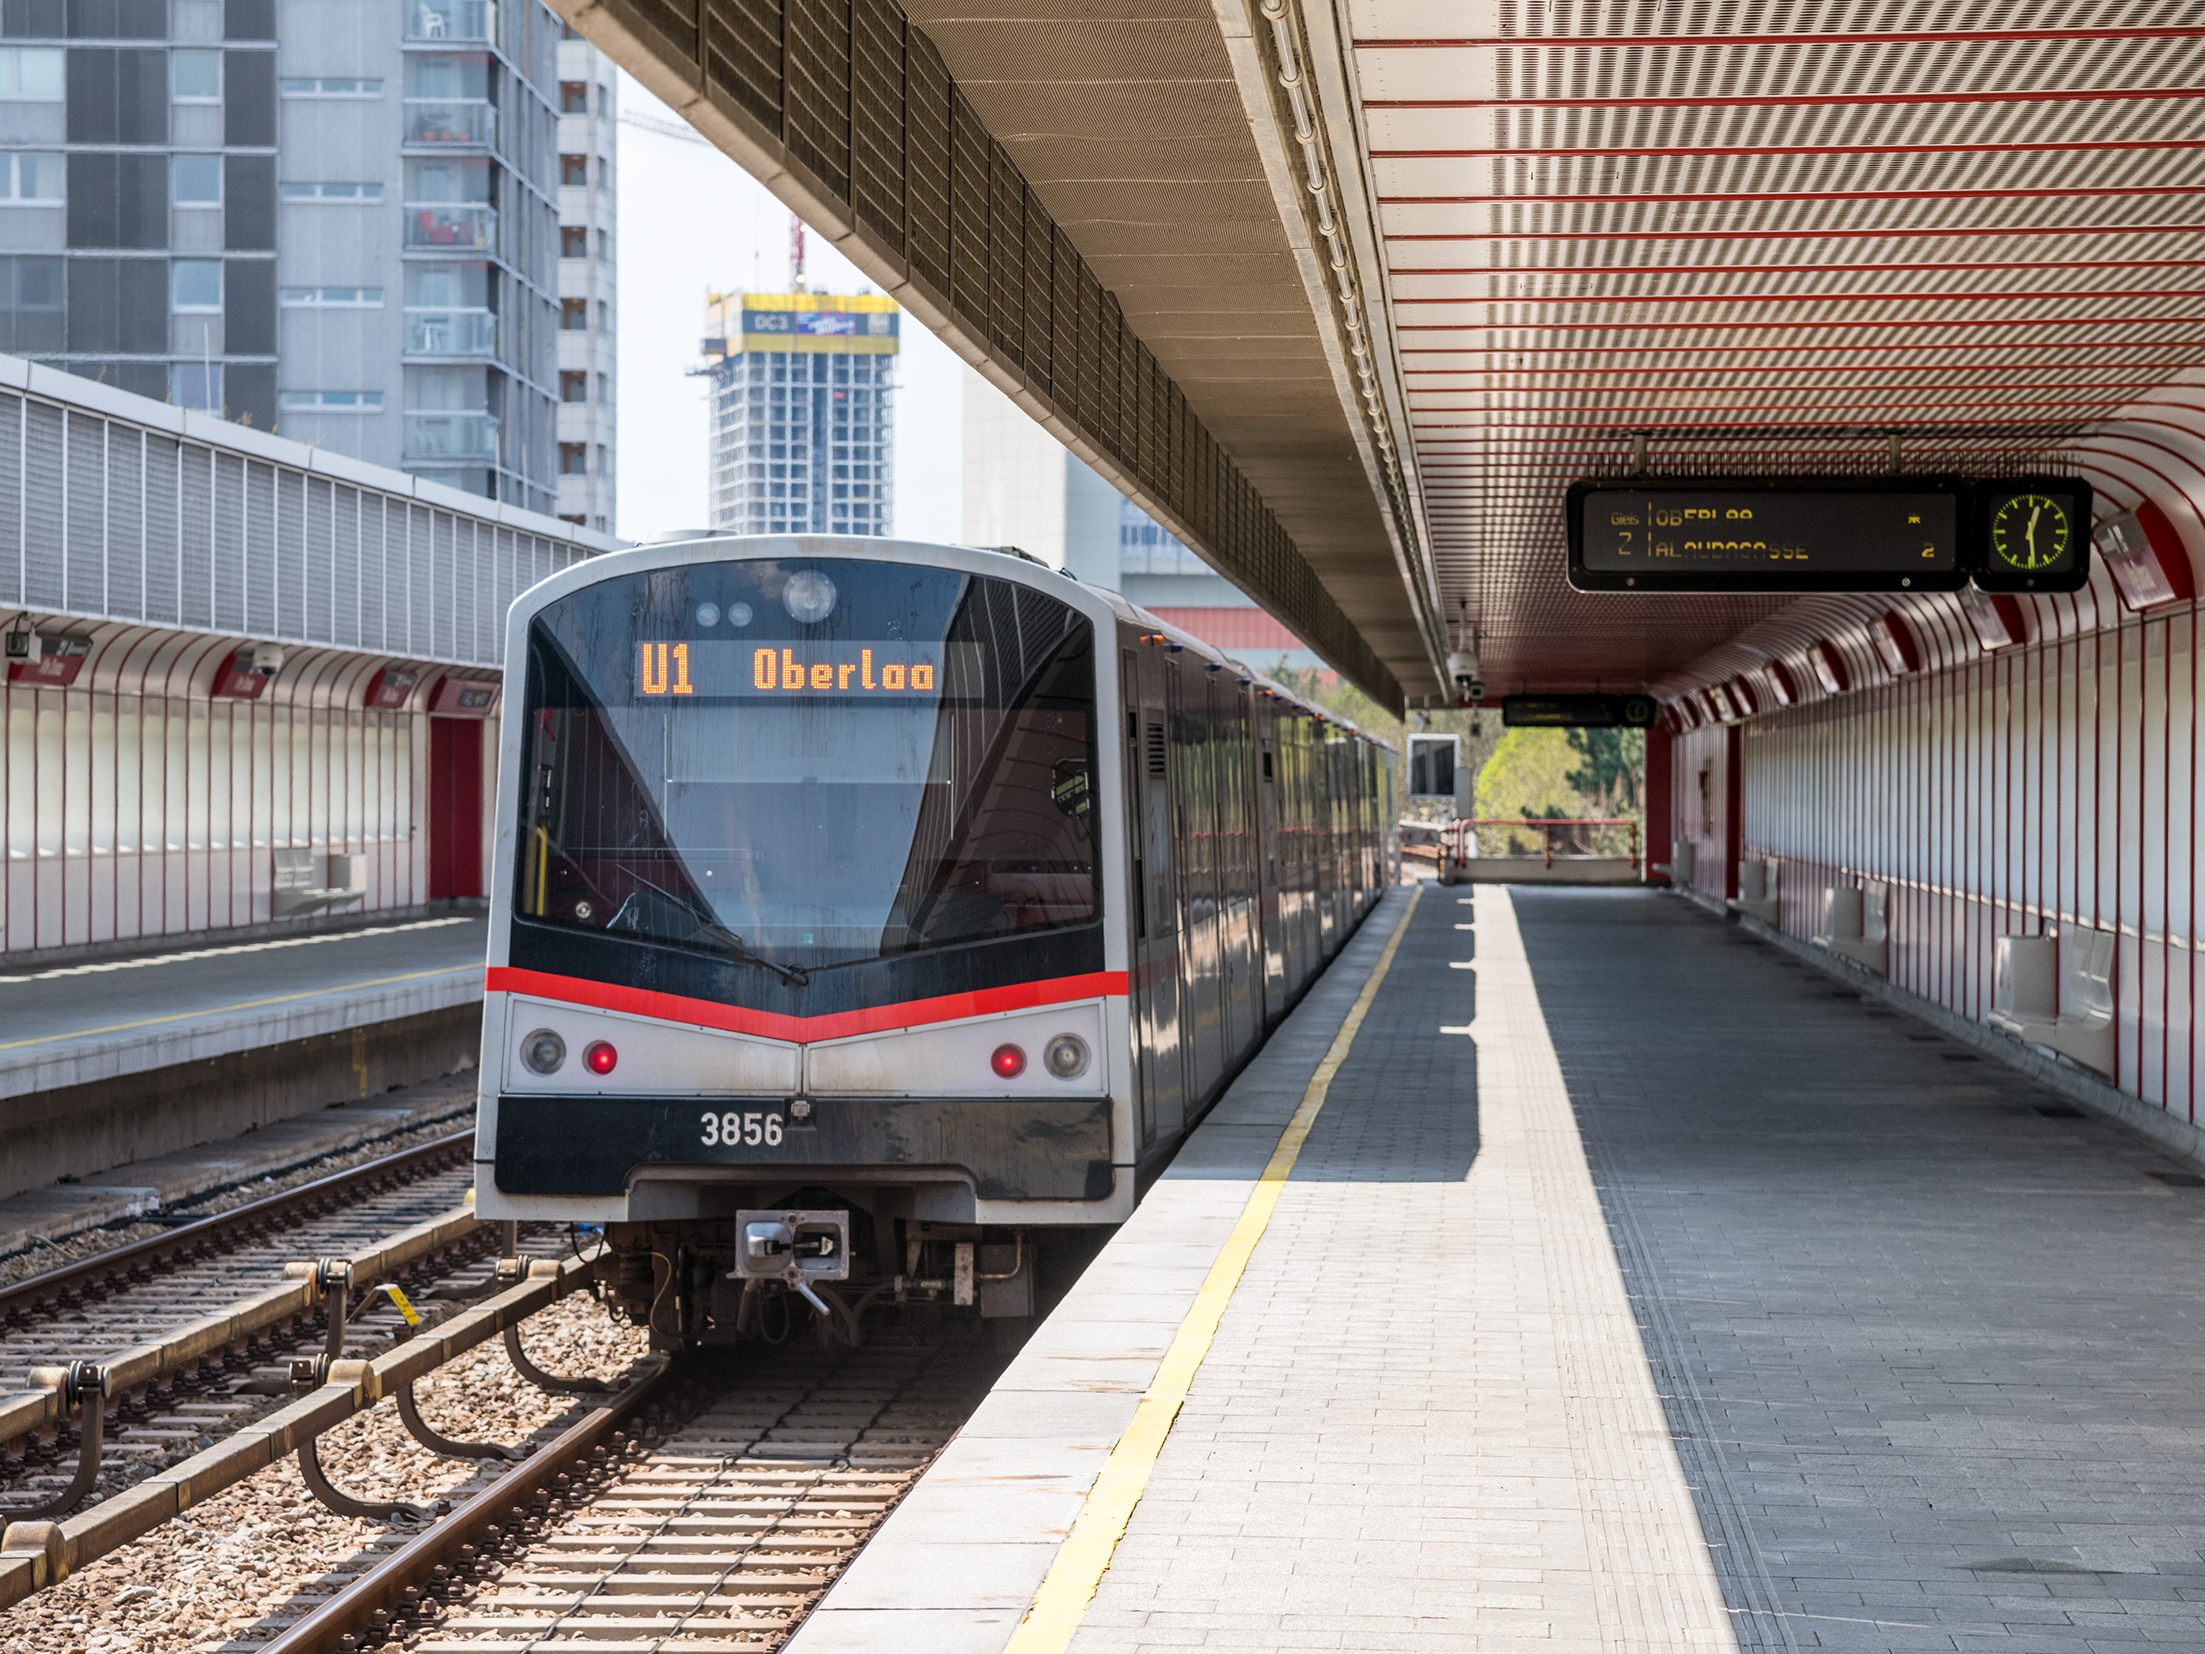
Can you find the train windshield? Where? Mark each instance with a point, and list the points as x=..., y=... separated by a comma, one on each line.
x=805, y=764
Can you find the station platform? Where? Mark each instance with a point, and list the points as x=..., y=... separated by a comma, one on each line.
x=1574, y=1272
x=118, y=1060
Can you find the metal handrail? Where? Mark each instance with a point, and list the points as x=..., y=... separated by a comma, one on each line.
x=1547, y=827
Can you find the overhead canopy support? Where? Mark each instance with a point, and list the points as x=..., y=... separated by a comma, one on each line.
x=846, y=110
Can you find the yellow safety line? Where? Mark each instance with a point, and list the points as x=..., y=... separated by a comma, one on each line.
x=1061, y=1603
x=241, y=1005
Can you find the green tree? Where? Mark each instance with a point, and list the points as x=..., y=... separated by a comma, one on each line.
x=1611, y=764
x=1530, y=777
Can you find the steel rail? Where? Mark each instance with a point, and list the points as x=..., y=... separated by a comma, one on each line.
x=155, y=1249
x=413, y=1566
x=304, y=1290
x=38, y=1554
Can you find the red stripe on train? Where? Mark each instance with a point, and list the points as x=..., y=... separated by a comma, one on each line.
x=734, y=1019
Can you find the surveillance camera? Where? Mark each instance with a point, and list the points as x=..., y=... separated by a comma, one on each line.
x=1473, y=690
x=1462, y=666
x=265, y=660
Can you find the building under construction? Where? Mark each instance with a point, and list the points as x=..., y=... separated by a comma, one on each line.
x=801, y=420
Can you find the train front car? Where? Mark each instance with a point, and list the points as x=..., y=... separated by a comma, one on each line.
x=801, y=981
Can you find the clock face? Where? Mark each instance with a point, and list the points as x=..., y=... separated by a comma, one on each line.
x=2030, y=532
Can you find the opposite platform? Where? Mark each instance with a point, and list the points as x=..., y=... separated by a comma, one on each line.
x=122, y=1060
x=1634, y=1289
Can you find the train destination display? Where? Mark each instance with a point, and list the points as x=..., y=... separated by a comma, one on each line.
x=1683, y=534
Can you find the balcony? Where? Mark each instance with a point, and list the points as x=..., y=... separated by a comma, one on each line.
x=447, y=437
x=444, y=21
x=451, y=333
x=451, y=226
x=467, y=124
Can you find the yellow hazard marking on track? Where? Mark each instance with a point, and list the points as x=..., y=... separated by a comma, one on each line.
x=241, y=1005
x=401, y=1302
x=1061, y=1603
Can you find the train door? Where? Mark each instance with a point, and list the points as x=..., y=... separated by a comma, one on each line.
x=1194, y=797
x=1323, y=760
x=1158, y=1035
x=1246, y=1005
x=1270, y=910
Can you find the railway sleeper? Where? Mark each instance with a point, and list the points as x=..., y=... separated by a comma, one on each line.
x=36, y=1553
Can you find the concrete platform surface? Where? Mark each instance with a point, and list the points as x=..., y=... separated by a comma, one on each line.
x=1636, y=1287
x=81, y=1024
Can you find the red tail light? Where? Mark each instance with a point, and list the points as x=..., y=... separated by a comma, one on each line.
x=1009, y=1061
x=601, y=1058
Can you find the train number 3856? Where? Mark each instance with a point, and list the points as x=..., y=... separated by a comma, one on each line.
x=742, y=1129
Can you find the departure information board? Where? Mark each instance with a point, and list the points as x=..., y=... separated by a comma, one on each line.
x=1732, y=535
x=1578, y=711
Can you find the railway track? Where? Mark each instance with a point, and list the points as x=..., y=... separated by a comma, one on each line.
x=705, y=1510
x=186, y=1334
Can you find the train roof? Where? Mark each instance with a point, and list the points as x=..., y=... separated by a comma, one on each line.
x=656, y=552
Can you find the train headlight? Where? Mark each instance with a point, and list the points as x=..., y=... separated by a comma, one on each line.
x=544, y=1051
x=809, y=596
x=1066, y=1056
x=1008, y=1061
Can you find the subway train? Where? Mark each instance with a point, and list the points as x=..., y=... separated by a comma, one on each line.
x=864, y=914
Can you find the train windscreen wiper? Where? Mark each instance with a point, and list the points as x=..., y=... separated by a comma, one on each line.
x=709, y=923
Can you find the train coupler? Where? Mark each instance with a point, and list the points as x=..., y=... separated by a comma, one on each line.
x=796, y=1247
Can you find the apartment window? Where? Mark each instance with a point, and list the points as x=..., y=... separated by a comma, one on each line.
x=574, y=387
x=330, y=298
x=574, y=169
x=331, y=86
x=573, y=242
x=196, y=385
x=195, y=181
x=604, y=387
x=574, y=97
x=195, y=286
x=329, y=401
x=195, y=77
x=332, y=192
x=574, y=459
x=31, y=74
x=31, y=177
x=574, y=315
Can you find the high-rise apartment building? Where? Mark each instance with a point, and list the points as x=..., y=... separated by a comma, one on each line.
x=802, y=438
x=338, y=221
x=1024, y=488
x=588, y=366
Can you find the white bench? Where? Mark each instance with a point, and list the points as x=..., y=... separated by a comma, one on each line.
x=2056, y=991
x=297, y=884
x=1854, y=926
x=1756, y=889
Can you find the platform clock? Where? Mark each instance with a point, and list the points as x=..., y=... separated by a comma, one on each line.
x=2033, y=534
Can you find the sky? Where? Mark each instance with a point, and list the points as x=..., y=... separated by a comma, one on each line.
x=692, y=221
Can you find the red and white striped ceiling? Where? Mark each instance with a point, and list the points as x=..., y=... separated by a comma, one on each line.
x=1767, y=234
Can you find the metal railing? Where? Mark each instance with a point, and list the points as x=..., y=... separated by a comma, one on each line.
x=451, y=123
x=451, y=436
x=458, y=20
x=451, y=333
x=1496, y=837
x=457, y=225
